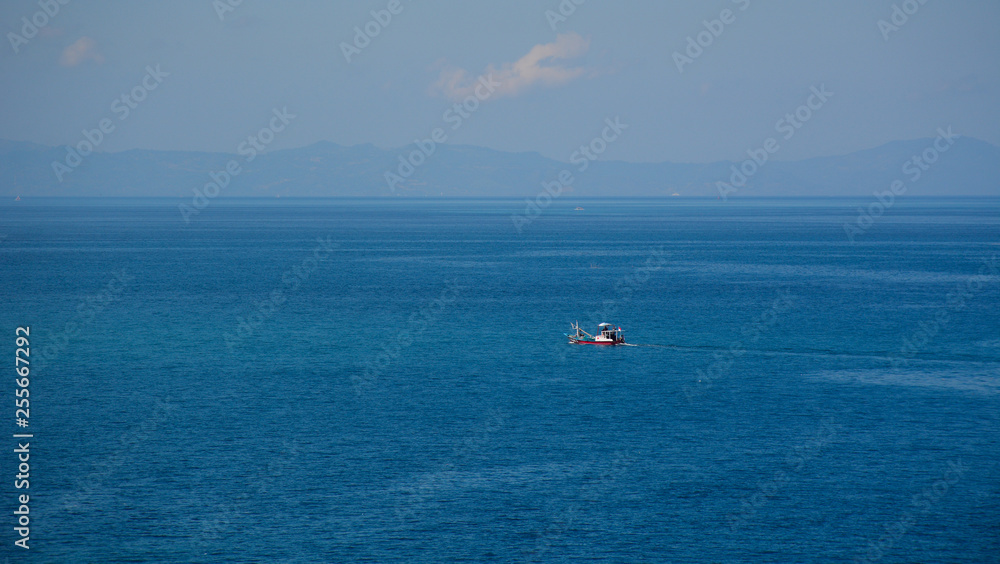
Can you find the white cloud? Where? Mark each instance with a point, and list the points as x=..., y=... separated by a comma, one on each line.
x=82, y=50
x=539, y=66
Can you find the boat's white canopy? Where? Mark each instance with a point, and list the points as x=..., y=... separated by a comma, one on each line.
x=604, y=325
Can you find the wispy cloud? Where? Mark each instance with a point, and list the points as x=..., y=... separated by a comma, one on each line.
x=82, y=50
x=539, y=67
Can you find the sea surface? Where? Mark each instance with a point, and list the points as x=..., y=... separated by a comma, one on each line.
x=366, y=381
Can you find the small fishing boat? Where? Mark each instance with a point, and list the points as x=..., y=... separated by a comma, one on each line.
x=608, y=334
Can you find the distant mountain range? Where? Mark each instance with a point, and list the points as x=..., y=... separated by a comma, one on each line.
x=970, y=167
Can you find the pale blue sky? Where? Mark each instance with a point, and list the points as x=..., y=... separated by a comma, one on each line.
x=940, y=68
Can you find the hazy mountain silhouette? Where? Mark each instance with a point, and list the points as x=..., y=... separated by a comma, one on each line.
x=969, y=168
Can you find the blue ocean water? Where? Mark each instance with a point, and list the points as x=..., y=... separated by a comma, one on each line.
x=360, y=381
